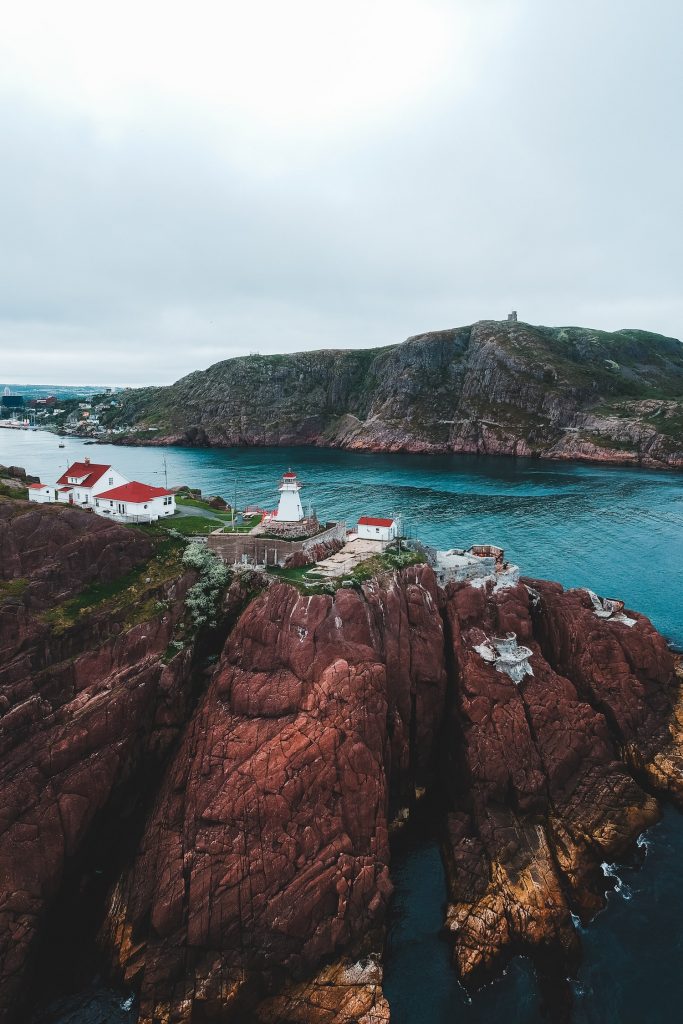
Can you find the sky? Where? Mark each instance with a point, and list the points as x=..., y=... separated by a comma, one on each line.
x=186, y=182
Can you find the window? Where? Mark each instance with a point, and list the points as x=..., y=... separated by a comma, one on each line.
x=377, y=529
x=111, y=481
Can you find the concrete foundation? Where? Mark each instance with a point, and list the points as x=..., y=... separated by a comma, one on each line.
x=252, y=549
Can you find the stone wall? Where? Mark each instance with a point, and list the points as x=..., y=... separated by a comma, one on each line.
x=259, y=550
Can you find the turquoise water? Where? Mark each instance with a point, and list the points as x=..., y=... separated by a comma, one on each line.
x=619, y=531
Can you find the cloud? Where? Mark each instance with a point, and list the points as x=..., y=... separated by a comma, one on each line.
x=179, y=188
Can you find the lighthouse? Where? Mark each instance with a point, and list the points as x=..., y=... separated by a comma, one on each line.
x=289, y=510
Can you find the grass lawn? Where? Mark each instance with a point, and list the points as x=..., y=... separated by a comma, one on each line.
x=224, y=516
x=191, y=526
x=243, y=527
x=198, y=503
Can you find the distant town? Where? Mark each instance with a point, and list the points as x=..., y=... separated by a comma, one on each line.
x=76, y=411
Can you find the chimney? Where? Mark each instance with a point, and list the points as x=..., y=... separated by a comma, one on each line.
x=86, y=460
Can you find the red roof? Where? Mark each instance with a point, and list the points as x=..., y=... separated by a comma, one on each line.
x=289, y=476
x=37, y=487
x=63, y=490
x=372, y=521
x=135, y=492
x=92, y=472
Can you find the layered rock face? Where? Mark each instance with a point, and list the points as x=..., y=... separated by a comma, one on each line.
x=267, y=857
x=544, y=769
x=84, y=707
x=257, y=884
x=268, y=851
x=492, y=388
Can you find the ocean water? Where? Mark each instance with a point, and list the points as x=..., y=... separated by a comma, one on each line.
x=618, y=531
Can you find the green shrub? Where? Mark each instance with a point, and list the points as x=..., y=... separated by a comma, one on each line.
x=203, y=598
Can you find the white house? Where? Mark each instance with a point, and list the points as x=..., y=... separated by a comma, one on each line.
x=289, y=509
x=41, y=493
x=135, y=502
x=377, y=528
x=83, y=481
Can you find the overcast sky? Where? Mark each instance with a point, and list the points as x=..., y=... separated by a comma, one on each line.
x=185, y=182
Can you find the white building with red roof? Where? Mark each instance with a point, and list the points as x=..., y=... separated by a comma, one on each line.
x=41, y=493
x=83, y=481
x=135, y=502
x=377, y=528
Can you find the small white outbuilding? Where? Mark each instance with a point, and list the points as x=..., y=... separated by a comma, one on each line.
x=41, y=493
x=377, y=528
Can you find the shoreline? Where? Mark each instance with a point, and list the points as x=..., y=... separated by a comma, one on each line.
x=577, y=458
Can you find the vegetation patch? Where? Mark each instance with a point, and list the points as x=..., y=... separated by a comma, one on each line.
x=222, y=513
x=132, y=594
x=607, y=442
x=203, y=599
x=671, y=424
x=12, y=588
x=20, y=493
x=190, y=526
x=308, y=582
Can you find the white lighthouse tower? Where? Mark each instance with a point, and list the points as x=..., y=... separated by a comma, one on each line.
x=289, y=510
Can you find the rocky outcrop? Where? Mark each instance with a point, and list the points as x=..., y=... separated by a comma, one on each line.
x=255, y=883
x=269, y=847
x=325, y=717
x=549, y=763
x=492, y=388
x=84, y=709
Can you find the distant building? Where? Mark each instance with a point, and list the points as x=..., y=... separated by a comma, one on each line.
x=512, y=317
x=377, y=528
x=11, y=402
x=41, y=493
x=83, y=481
x=136, y=501
x=289, y=509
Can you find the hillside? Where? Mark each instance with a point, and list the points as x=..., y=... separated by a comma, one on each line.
x=492, y=388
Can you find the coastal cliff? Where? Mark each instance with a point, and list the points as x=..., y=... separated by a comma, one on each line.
x=493, y=388
x=239, y=787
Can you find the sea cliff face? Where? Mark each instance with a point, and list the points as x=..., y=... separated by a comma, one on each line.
x=492, y=388
x=267, y=783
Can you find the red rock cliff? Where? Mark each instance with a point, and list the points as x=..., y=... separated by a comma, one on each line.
x=268, y=851
x=84, y=705
x=261, y=879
